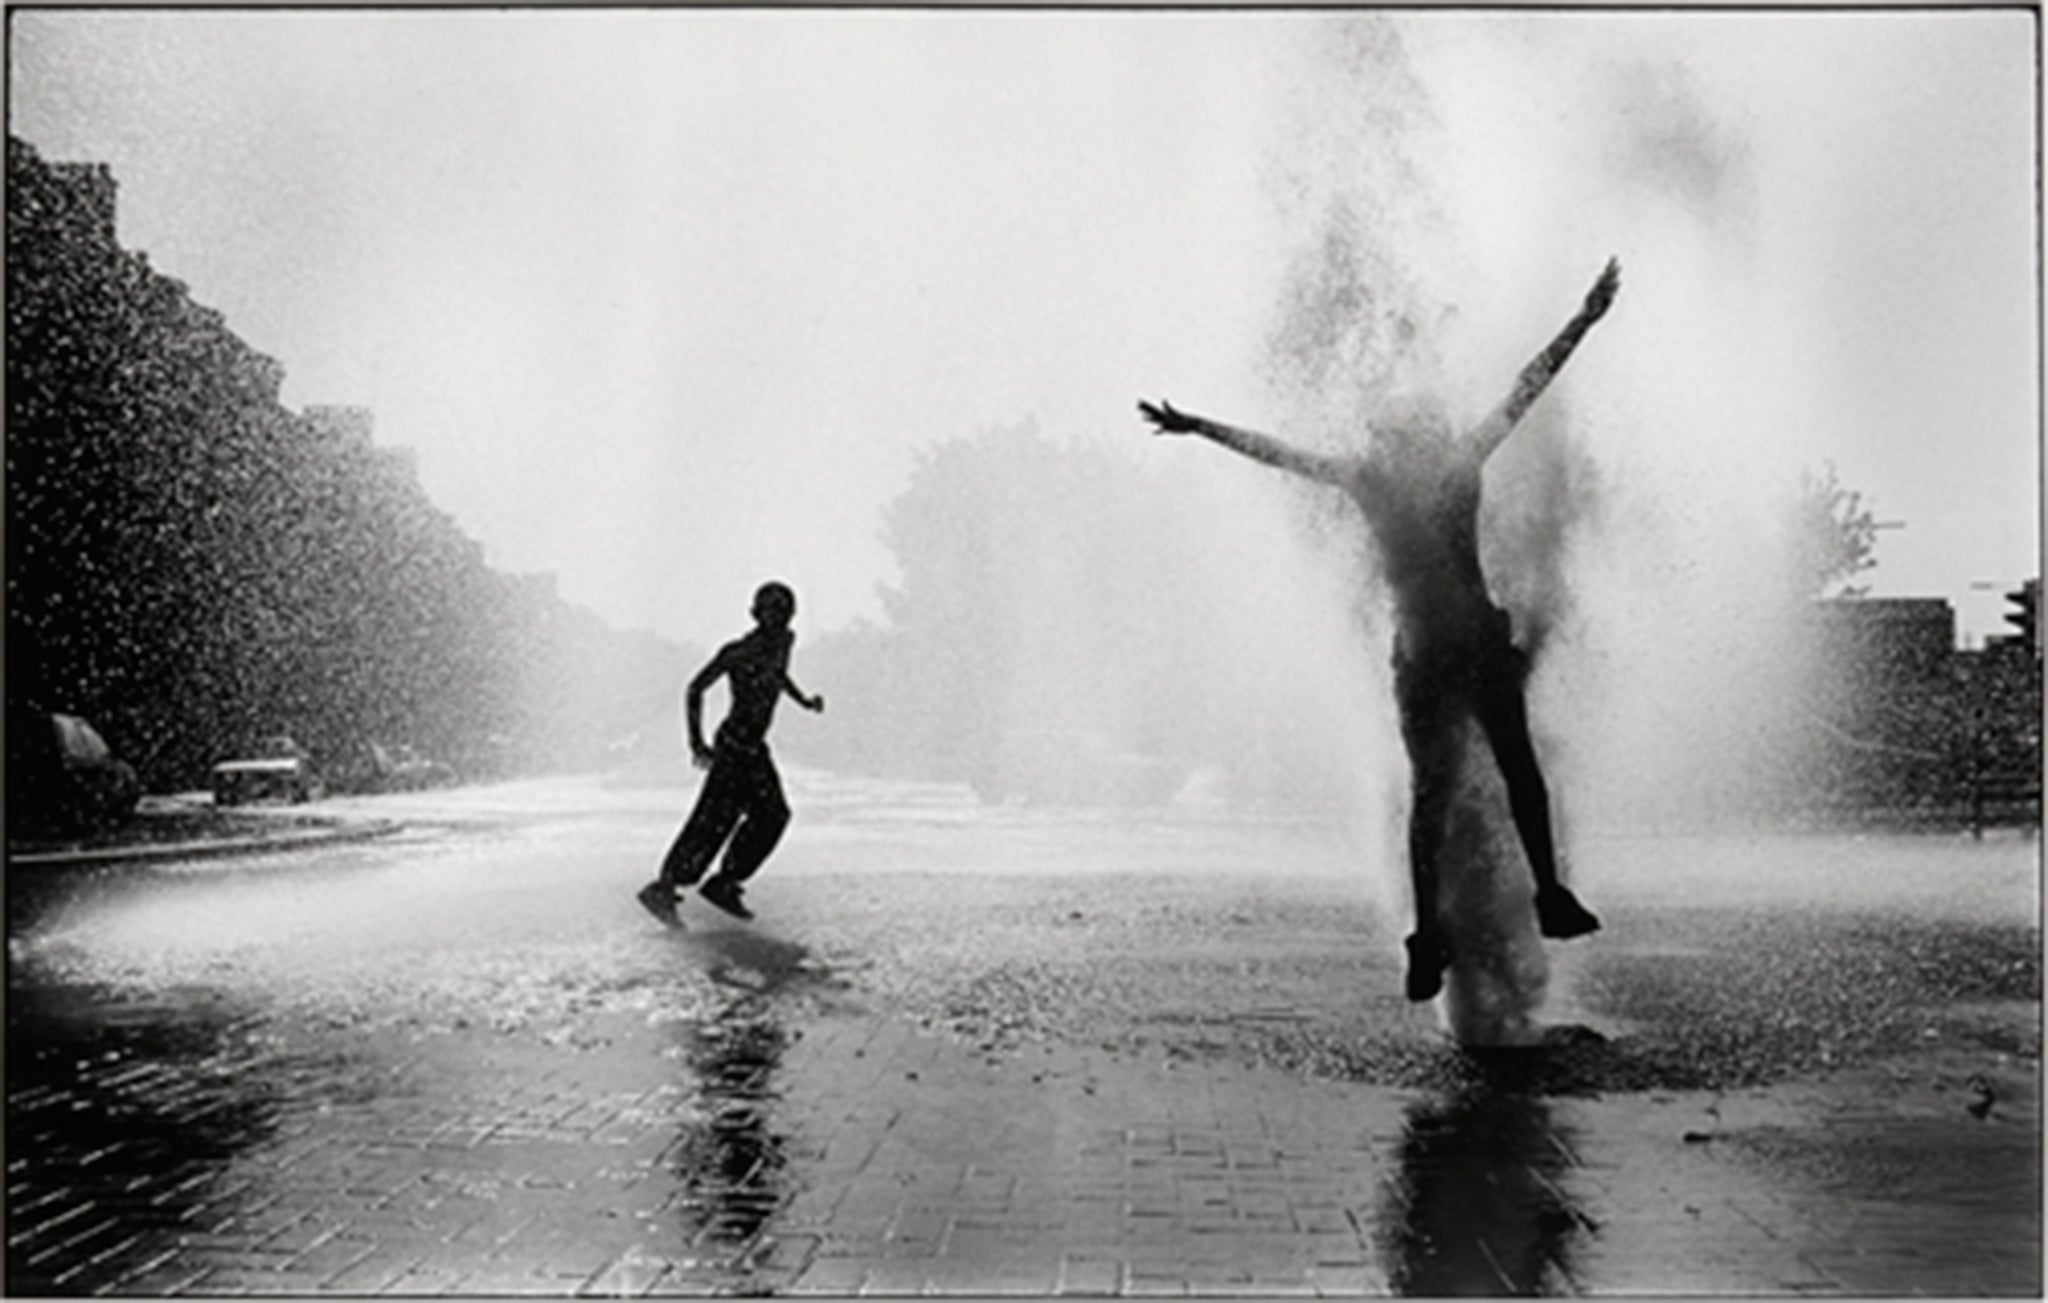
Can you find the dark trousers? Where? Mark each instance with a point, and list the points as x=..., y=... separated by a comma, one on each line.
x=741, y=809
x=1484, y=684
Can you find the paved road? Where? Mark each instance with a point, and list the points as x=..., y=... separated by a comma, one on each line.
x=974, y=1051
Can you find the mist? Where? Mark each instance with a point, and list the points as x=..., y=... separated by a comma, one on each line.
x=863, y=301
x=1634, y=525
x=1631, y=523
x=1140, y=599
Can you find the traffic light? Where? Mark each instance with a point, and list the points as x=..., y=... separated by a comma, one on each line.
x=2025, y=615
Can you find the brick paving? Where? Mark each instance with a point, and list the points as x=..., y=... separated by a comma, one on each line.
x=797, y=1145
x=788, y=1148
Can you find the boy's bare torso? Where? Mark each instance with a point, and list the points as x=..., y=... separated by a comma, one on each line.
x=757, y=666
x=1422, y=507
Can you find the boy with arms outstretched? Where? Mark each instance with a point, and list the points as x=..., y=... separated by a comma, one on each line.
x=1418, y=484
x=741, y=806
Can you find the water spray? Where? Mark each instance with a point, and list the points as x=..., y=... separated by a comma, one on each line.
x=1352, y=346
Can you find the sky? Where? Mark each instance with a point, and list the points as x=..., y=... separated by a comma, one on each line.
x=667, y=302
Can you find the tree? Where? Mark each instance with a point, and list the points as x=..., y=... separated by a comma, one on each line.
x=1081, y=623
x=1834, y=535
x=191, y=565
x=1034, y=628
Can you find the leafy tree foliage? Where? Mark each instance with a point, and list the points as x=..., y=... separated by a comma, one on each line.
x=1018, y=626
x=192, y=565
x=1834, y=535
x=1068, y=625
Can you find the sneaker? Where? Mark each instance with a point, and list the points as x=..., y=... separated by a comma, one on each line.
x=1560, y=916
x=725, y=895
x=658, y=900
x=1428, y=957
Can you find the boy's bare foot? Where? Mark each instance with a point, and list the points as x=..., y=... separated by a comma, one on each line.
x=1560, y=916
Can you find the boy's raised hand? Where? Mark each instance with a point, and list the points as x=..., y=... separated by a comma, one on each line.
x=1601, y=296
x=1166, y=418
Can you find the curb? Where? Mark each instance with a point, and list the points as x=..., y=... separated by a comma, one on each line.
x=142, y=854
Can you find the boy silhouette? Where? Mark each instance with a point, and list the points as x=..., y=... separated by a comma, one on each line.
x=741, y=806
x=1418, y=484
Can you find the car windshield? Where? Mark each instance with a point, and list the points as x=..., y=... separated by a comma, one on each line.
x=78, y=742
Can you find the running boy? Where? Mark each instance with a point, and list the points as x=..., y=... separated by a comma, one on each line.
x=1418, y=484
x=741, y=807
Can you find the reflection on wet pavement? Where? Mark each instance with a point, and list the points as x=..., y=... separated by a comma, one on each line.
x=731, y=1163
x=464, y=1068
x=1480, y=1204
x=229, y=1111
x=730, y=1159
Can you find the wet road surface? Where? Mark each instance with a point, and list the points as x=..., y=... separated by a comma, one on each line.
x=976, y=1049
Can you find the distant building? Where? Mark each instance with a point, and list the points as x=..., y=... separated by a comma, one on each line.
x=1898, y=640
x=1903, y=725
x=2025, y=617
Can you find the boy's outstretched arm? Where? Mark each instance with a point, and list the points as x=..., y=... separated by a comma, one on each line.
x=1536, y=376
x=815, y=705
x=1168, y=419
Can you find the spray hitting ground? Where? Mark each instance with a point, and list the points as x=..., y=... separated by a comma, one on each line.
x=1194, y=935
x=1204, y=939
x=1356, y=345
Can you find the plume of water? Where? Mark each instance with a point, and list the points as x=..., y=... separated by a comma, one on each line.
x=1631, y=537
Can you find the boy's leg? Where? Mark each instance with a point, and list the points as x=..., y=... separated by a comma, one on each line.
x=1504, y=716
x=763, y=817
x=710, y=823
x=1434, y=764
x=1429, y=731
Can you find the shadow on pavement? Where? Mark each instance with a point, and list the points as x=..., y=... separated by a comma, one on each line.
x=118, y=1105
x=754, y=962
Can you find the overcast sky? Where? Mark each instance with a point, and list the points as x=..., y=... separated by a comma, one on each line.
x=666, y=301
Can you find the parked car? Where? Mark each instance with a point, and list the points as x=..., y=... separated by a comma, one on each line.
x=277, y=768
x=63, y=777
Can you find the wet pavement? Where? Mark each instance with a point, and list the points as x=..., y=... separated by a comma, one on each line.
x=989, y=1052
